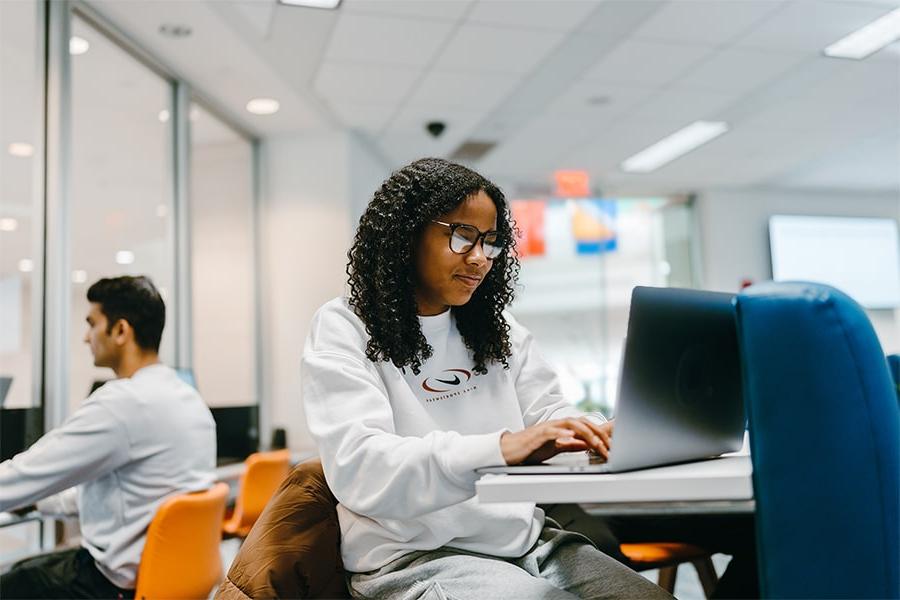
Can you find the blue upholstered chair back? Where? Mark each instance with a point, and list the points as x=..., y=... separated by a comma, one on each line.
x=894, y=366
x=825, y=443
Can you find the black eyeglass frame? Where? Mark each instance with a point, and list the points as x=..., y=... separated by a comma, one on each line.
x=500, y=243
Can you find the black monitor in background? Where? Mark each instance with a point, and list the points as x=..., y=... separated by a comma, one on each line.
x=5, y=384
x=97, y=384
x=237, y=432
x=19, y=429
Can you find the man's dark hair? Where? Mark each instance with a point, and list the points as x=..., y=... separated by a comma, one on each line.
x=136, y=300
x=382, y=266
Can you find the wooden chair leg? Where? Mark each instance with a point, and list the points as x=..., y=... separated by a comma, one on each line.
x=666, y=578
x=707, y=573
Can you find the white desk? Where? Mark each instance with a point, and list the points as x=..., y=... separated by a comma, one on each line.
x=713, y=486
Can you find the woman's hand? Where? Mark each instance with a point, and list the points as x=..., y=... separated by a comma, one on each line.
x=542, y=441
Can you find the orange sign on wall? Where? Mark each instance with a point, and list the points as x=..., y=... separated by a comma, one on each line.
x=572, y=184
x=529, y=218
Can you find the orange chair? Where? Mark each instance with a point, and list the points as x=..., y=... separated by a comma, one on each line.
x=263, y=474
x=666, y=557
x=181, y=558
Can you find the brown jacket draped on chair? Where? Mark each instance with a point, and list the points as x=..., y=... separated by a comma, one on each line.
x=293, y=550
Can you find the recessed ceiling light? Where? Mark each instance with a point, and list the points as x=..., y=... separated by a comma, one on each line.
x=78, y=45
x=21, y=149
x=124, y=257
x=175, y=31
x=163, y=116
x=8, y=224
x=79, y=276
x=26, y=265
x=263, y=106
x=331, y=4
x=679, y=143
x=869, y=39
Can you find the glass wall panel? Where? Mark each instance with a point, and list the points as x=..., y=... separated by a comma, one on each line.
x=21, y=226
x=580, y=260
x=121, y=185
x=222, y=246
x=21, y=230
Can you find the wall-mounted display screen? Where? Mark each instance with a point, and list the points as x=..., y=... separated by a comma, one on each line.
x=859, y=256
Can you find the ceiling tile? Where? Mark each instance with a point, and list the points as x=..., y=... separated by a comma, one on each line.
x=450, y=10
x=811, y=26
x=370, y=118
x=616, y=18
x=594, y=101
x=560, y=15
x=494, y=49
x=739, y=70
x=462, y=90
x=868, y=164
x=535, y=148
x=386, y=40
x=346, y=82
x=647, y=63
x=257, y=14
x=705, y=21
x=672, y=105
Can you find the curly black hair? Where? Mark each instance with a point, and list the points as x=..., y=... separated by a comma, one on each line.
x=383, y=275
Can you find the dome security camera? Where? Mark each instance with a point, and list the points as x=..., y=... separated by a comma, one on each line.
x=435, y=128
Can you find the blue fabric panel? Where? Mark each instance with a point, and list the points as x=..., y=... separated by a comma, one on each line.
x=894, y=366
x=825, y=443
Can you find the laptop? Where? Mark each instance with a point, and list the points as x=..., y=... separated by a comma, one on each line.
x=680, y=394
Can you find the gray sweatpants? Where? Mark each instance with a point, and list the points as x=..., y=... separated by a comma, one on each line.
x=561, y=565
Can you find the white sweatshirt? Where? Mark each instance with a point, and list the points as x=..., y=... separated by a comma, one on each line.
x=400, y=451
x=130, y=445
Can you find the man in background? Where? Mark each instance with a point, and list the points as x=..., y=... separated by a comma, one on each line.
x=134, y=442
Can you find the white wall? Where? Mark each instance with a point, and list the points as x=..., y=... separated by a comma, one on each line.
x=222, y=272
x=314, y=187
x=735, y=243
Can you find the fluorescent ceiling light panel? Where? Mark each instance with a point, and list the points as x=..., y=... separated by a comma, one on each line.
x=679, y=143
x=163, y=116
x=78, y=45
x=26, y=265
x=263, y=106
x=79, y=276
x=8, y=224
x=868, y=40
x=331, y=4
x=124, y=257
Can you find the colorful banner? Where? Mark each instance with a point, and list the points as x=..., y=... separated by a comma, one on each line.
x=529, y=218
x=594, y=226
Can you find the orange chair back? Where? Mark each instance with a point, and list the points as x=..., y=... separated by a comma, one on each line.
x=181, y=558
x=263, y=474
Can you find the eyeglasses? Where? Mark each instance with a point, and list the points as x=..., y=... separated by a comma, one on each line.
x=464, y=237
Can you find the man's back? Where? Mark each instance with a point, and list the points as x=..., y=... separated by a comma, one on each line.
x=133, y=443
x=172, y=449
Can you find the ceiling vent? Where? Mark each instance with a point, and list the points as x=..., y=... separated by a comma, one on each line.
x=472, y=150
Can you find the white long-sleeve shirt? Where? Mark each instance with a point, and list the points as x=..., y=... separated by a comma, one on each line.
x=130, y=445
x=400, y=450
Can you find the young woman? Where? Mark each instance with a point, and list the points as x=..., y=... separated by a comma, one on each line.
x=418, y=378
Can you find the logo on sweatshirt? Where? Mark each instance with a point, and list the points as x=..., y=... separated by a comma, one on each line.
x=446, y=381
